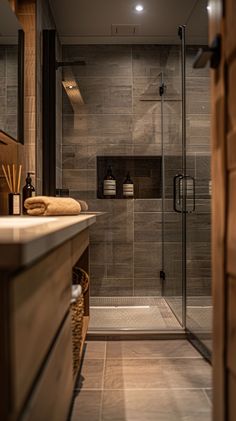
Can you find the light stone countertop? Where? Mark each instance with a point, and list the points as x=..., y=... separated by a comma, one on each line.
x=25, y=239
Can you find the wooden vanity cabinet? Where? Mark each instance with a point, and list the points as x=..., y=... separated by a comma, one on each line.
x=36, y=340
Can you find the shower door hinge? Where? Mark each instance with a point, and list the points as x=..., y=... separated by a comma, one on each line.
x=162, y=89
x=181, y=29
x=162, y=275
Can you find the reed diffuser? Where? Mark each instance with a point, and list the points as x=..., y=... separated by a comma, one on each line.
x=13, y=179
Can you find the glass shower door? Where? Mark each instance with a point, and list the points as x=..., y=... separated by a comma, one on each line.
x=198, y=223
x=174, y=188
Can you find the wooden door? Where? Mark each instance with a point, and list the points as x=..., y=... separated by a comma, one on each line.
x=223, y=21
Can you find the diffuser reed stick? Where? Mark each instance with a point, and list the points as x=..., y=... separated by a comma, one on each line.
x=19, y=178
x=9, y=177
x=6, y=177
x=13, y=180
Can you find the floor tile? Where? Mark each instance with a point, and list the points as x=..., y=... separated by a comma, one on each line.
x=151, y=349
x=158, y=405
x=91, y=376
x=143, y=381
x=156, y=373
x=95, y=350
x=87, y=406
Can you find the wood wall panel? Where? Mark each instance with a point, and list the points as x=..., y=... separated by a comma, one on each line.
x=231, y=153
x=231, y=334
x=231, y=92
x=218, y=215
x=224, y=213
x=230, y=35
x=230, y=9
x=231, y=228
x=231, y=398
x=26, y=13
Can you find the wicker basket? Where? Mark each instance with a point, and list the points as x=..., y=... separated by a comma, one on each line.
x=77, y=313
x=80, y=277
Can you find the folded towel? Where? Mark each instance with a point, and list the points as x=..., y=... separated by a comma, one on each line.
x=84, y=205
x=76, y=291
x=46, y=205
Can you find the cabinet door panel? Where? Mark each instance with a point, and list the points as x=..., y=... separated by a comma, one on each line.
x=40, y=298
x=53, y=393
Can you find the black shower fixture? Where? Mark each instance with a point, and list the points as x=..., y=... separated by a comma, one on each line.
x=70, y=63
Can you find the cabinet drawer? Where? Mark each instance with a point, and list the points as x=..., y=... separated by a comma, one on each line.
x=39, y=299
x=53, y=393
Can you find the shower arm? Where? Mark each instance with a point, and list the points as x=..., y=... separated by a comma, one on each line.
x=70, y=63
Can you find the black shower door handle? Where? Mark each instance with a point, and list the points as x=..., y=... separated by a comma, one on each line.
x=182, y=184
x=177, y=193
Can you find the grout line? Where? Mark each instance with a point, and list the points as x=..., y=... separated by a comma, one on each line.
x=103, y=380
x=144, y=389
x=150, y=358
x=206, y=396
x=104, y=366
x=132, y=113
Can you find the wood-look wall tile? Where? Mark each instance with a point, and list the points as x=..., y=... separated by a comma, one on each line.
x=114, y=75
x=112, y=287
x=147, y=287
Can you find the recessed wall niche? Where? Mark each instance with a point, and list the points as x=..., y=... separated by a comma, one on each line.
x=144, y=171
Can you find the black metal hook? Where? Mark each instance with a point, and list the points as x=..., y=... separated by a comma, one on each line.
x=212, y=54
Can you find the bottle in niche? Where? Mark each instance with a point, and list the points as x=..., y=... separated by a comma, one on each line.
x=128, y=187
x=28, y=191
x=109, y=184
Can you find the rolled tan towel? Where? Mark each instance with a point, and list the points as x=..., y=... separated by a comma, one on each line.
x=84, y=205
x=47, y=205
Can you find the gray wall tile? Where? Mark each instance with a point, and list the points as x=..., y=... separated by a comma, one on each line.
x=115, y=121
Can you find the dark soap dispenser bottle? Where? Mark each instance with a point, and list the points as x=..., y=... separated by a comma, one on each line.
x=28, y=191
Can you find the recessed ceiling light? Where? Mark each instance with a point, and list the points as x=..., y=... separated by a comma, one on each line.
x=208, y=8
x=139, y=8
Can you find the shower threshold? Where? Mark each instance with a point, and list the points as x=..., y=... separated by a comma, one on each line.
x=131, y=314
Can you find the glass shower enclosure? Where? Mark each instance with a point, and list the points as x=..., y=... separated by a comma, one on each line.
x=187, y=203
x=142, y=109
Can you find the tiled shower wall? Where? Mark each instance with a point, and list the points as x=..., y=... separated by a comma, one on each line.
x=121, y=115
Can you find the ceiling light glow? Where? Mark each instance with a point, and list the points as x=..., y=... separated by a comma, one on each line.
x=70, y=87
x=208, y=8
x=139, y=8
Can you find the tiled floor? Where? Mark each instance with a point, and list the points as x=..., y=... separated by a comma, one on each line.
x=143, y=381
x=134, y=313
x=199, y=316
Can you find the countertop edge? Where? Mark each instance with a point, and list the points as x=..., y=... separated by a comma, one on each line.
x=25, y=253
